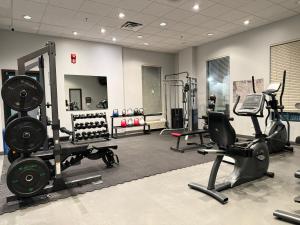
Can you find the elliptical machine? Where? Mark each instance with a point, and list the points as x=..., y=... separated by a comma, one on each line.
x=278, y=134
x=251, y=162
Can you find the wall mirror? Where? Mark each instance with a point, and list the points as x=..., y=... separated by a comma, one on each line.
x=151, y=83
x=218, y=82
x=85, y=92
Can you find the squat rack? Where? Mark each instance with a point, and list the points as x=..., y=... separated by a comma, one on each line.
x=58, y=181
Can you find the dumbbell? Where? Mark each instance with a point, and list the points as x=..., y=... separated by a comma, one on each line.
x=93, y=125
x=102, y=120
x=87, y=125
x=85, y=136
x=77, y=125
x=78, y=136
x=97, y=134
x=81, y=116
x=97, y=123
x=75, y=117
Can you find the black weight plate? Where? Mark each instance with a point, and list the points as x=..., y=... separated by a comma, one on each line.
x=25, y=134
x=22, y=93
x=11, y=118
x=26, y=177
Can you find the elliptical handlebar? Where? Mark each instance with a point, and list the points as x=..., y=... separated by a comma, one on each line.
x=253, y=85
x=282, y=91
x=235, y=105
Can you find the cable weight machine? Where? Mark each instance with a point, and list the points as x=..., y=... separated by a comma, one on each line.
x=181, y=106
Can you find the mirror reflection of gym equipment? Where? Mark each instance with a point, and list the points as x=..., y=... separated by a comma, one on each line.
x=85, y=93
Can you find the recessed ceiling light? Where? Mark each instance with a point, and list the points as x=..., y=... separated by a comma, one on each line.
x=27, y=17
x=163, y=24
x=114, y=39
x=196, y=7
x=246, y=22
x=210, y=34
x=121, y=15
x=140, y=36
x=103, y=30
x=146, y=43
x=75, y=33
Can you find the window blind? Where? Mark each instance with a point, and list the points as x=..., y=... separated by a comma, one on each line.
x=287, y=57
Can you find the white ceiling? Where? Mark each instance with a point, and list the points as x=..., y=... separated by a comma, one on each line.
x=185, y=27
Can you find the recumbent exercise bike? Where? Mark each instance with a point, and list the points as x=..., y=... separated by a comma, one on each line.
x=251, y=162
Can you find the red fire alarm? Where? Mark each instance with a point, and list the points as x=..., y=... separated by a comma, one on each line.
x=73, y=58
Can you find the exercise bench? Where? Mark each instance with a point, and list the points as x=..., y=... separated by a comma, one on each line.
x=190, y=145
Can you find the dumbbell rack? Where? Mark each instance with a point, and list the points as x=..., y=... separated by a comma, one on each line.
x=104, y=134
x=114, y=129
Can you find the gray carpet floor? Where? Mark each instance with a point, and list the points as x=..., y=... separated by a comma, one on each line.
x=140, y=156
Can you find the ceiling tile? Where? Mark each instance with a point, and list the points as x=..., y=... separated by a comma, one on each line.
x=167, y=21
x=255, y=5
x=203, y=4
x=50, y=28
x=230, y=27
x=5, y=4
x=143, y=18
x=150, y=30
x=33, y=9
x=40, y=1
x=96, y=8
x=87, y=17
x=25, y=26
x=5, y=22
x=196, y=30
x=157, y=9
x=213, y=23
x=172, y=3
x=178, y=15
x=114, y=13
x=179, y=26
x=215, y=10
x=108, y=2
x=110, y=22
x=290, y=4
x=197, y=19
x=254, y=21
x=273, y=11
x=169, y=33
x=68, y=4
x=58, y=16
x=133, y=4
x=5, y=12
x=233, y=3
x=233, y=15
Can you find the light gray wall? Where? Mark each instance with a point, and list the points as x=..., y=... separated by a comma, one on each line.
x=95, y=59
x=133, y=60
x=249, y=55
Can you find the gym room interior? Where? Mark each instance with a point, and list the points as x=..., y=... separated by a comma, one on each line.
x=150, y=112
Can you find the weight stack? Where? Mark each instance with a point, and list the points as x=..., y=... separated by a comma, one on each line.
x=195, y=119
x=177, y=118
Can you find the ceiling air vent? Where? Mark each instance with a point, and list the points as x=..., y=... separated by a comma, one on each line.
x=131, y=26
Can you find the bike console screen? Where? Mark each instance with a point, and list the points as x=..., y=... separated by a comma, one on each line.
x=252, y=104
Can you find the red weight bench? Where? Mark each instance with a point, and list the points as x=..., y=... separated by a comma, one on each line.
x=190, y=145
